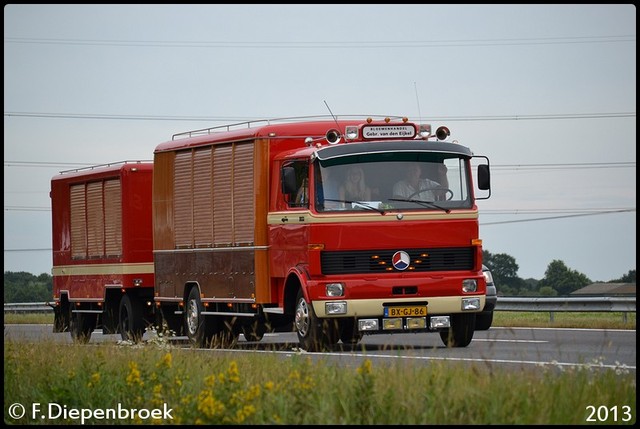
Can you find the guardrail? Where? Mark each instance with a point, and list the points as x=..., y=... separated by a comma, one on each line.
x=27, y=307
x=626, y=304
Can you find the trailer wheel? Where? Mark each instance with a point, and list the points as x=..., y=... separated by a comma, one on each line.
x=199, y=329
x=461, y=331
x=61, y=318
x=81, y=326
x=130, y=319
x=314, y=334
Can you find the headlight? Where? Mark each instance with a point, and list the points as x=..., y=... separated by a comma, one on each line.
x=469, y=285
x=335, y=307
x=334, y=289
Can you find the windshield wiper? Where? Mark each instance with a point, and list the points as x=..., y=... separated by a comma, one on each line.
x=422, y=203
x=359, y=203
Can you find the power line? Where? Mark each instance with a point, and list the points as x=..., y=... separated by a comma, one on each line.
x=45, y=164
x=556, y=210
x=558, y=116
x=326, y=44
x=558, y=217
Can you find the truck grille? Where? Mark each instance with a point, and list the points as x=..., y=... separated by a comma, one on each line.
x=380, y=261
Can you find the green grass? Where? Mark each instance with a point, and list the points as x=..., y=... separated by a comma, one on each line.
x=608, y=320
x=500, y=318
x=28, y=318
x=220, y=388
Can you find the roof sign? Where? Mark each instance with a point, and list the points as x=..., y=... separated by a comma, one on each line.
x=406, y=131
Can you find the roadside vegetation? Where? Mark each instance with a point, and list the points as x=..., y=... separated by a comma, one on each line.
x=222, y=388
x=500, y=319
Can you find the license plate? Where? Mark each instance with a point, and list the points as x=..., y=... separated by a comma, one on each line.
x=405, y=311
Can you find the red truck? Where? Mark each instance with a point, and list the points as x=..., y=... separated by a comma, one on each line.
x=254, y=231
x=333, y=228
x=103, y=250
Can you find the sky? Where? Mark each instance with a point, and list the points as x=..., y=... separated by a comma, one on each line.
x=546, y=92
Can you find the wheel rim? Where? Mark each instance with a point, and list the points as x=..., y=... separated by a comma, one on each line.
x=192, y=316
x=302, y=318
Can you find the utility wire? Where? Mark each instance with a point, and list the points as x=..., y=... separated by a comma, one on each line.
x=599, y=115
x=326, y=44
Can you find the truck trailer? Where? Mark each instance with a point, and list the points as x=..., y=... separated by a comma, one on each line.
x=103, y=250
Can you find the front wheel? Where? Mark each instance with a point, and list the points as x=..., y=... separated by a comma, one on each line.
x=349, y=333
x=314, y=334
x=484, y=320
x=461, y=331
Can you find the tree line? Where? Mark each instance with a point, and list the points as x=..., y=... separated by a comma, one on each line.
x=558, y=280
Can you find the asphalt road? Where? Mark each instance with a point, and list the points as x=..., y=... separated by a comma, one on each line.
x=498, y=347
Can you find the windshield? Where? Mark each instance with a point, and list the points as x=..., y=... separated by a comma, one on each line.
x=392, y=181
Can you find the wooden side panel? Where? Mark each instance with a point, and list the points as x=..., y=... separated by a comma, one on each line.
x=243, y=194
x=95, y=220
x=78, y=222
x=202, y=198
x=113, y=217
x=183, y=200
x=213, y=211
x=223, y=197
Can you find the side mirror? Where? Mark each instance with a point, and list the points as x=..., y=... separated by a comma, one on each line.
x=484, y=177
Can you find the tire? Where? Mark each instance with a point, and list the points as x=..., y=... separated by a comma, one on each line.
x=130, y=319
x=60, y=319
x=349, y=333
x=314, y=334
x=199, y=330
x=484, y=320
x=81, y=326
x=461, y=331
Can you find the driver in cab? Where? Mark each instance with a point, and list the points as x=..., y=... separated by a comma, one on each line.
x=413, y=187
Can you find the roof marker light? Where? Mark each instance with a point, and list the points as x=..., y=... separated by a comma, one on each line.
x=333, y=136
x=425, y=131
x=442, y=133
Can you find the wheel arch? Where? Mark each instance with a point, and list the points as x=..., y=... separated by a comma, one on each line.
x=295, y=281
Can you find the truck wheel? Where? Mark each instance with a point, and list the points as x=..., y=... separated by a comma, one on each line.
x=81, y=326
x=484, y=321
x=461, y=331
x=349, y=333
x=199, y=330
x=60, y=318
x=314, y=334
x=130, y=319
